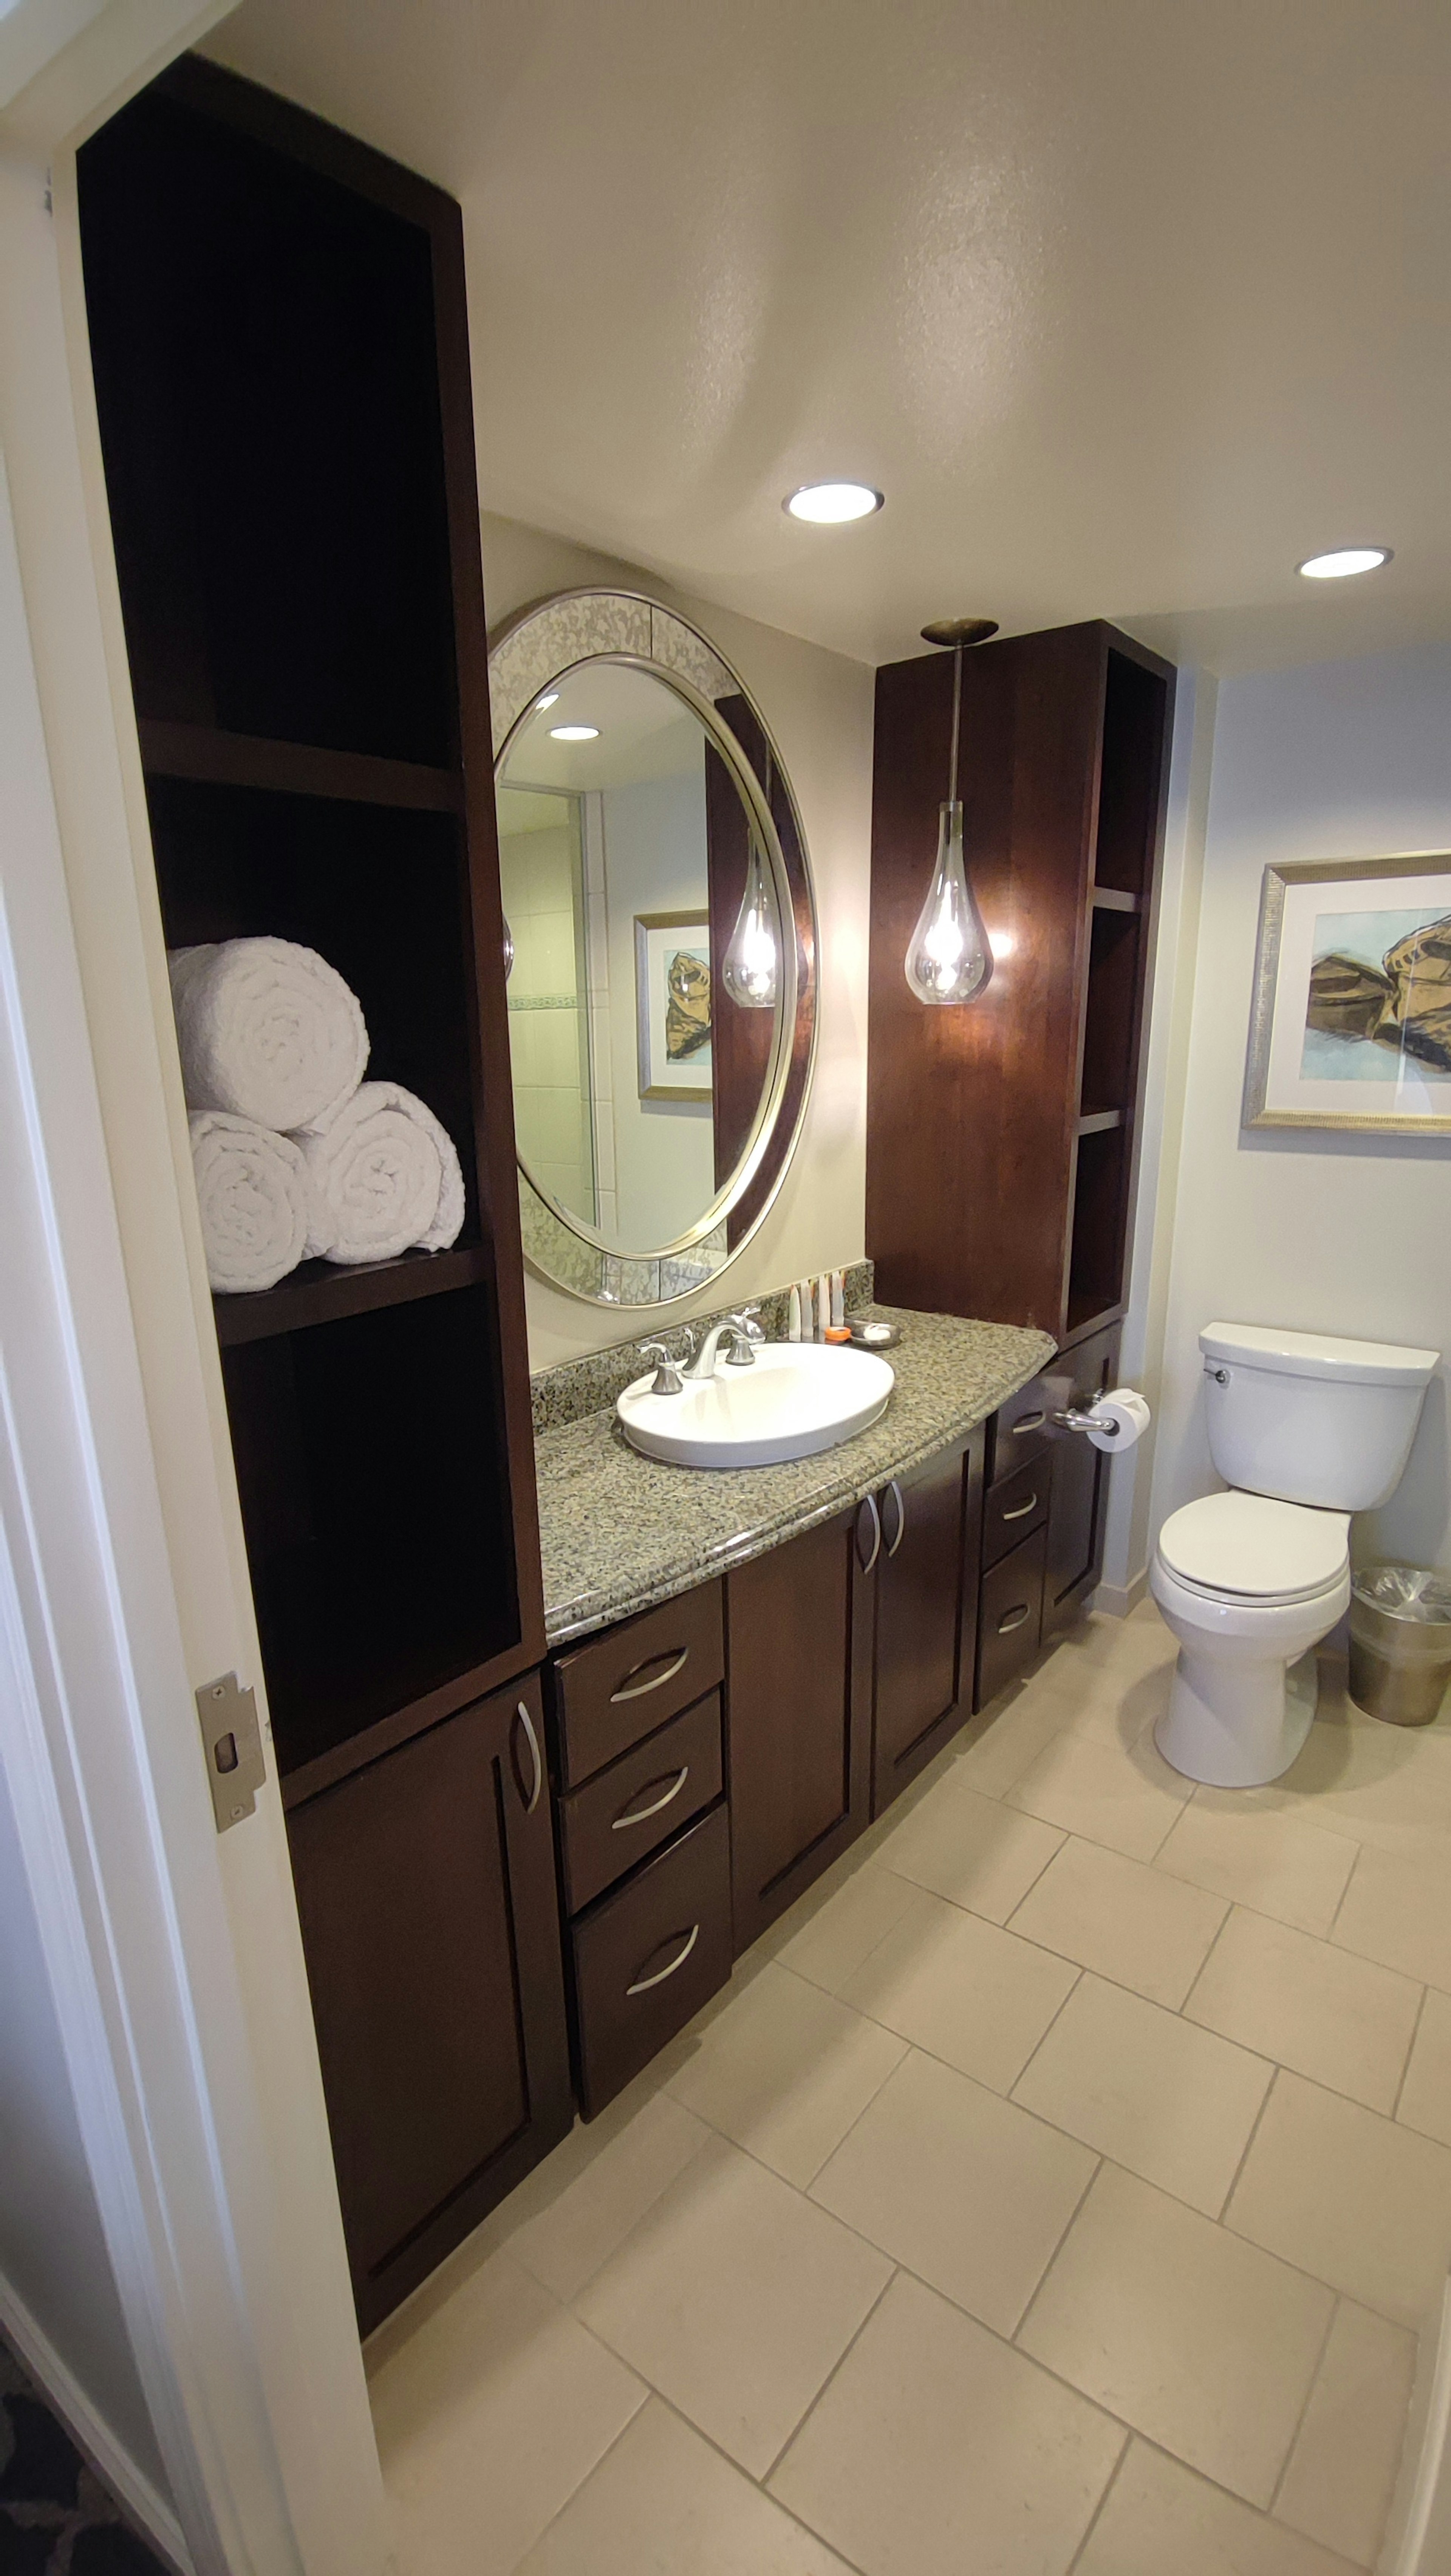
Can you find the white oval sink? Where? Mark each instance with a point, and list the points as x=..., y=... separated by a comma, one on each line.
x=795, y=1398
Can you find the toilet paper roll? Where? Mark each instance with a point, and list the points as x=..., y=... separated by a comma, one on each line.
x=1118, y=1420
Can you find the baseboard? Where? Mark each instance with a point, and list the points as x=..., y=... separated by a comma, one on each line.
x=1420, y=2515
x=1116, y=1600
x=91, y=2434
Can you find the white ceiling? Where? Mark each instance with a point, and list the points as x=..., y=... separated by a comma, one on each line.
x=1126, y=305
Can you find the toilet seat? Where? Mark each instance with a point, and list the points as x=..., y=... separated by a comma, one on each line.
x=1252, y=1548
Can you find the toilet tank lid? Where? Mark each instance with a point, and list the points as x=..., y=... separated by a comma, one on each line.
x=1323, y=1355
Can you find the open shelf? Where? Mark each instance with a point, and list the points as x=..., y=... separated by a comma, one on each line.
x=1113, y=899
x=219, y=759
x=1135, y=704
x=375, y=1499
x=267, y=382
x=1110, y=1010
x=1096, y=1243
x=321, y=1292
x=378, y=891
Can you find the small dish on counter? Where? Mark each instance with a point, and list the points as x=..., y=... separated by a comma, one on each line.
x=794, y=1399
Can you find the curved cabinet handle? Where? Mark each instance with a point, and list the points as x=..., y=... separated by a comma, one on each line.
x=1020, y=1511
x=642, y=1985
x=869, y=1503
x=1029, y=1422
x=894, y=1543
x=536, y=1757
x=631, y=1689
x=1014, y=1618
x=641, y=1815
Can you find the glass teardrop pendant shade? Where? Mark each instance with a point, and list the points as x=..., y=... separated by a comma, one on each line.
x=948, y=957
x=751, y=967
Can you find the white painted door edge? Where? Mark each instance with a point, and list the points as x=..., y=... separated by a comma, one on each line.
x=174, y=1960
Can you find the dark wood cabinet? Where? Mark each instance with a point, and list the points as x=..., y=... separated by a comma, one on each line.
x=1000, y=1136
x=426, y=1892
x=1042, y=1542
x=798, y=1706
x=926, y=1587
x=647, y=1957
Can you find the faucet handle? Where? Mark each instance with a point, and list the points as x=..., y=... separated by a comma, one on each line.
x=668, y=1380
x=746, y=1323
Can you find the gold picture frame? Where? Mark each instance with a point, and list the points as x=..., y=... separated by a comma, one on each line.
x=1352, y=998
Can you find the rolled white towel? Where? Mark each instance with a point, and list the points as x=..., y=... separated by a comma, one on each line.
x=384, y=1176
x=268, y=1031
x=255, y=1198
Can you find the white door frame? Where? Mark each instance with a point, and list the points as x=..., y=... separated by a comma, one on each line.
x=173, y=1954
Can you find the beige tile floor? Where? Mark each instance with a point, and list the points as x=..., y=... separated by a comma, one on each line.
x=1060, y=2186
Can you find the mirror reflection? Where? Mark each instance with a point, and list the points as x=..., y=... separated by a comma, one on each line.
x=646, y=990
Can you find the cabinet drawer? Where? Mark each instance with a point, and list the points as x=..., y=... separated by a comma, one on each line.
x=1015, y=1508
x=1010, y=1620
x=649, y=1956
x=621, y=1815
x=1020, y=1427
x=611, y=1692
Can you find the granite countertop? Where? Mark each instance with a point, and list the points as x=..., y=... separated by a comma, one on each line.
x=620, y=1531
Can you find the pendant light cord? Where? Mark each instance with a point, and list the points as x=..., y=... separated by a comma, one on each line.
x=952, y=796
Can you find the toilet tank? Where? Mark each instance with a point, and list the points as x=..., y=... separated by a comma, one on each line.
x=1311, y=1418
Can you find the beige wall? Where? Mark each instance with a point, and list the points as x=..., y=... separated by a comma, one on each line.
x=1344, y=1234
x=819, y=706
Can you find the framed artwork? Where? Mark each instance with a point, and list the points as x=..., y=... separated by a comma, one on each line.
x=1351, y=1021
x=673, y=1004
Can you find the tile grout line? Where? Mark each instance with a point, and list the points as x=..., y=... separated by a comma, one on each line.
x=1410, y=2053
x=749, y=2474
x=1301, y=2418
x=1097, y=2513
x=1039, y=2044
x=1040, y=2284
x=612, y=2445
x=1345, y=1891
x=1182, y=2008
x=1222, y=2218
x=804, y=2418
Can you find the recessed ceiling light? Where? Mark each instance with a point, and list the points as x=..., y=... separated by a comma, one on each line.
x=1343, y=562
x=829, y=505
x=549, y=699
x=574, y=733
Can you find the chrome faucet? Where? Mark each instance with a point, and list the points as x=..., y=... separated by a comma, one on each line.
x=741, y=1331
x=667, y=1380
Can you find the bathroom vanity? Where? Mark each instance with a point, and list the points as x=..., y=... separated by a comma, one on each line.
x=546, y=1771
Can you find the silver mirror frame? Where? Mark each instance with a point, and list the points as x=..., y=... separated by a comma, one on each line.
x=531, y=653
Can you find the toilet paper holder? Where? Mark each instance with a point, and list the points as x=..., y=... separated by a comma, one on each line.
x=1073, y=1420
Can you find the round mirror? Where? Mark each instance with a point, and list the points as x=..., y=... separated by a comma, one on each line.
x=659, y=947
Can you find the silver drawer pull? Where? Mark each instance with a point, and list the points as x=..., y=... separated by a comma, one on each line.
x=1020, y=1511
x=639, y=1815
x=895, y=1543
x=637, y=1690
x=1014, y=1618
x=868, y=1503
x=642, y=1985
x=532, y=1801
x=1029, y=1422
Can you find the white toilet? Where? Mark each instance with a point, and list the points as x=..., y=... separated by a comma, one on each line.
x=1306, y=1429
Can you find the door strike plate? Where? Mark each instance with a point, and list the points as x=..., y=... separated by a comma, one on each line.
x=233, y=1741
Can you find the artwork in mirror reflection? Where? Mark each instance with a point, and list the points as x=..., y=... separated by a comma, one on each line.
x=625, y=848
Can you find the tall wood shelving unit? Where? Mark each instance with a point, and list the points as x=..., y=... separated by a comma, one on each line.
x=1001, y=1135
x=280, y=349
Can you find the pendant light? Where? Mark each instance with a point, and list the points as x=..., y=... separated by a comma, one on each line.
x=751, y=967
x=948, y=957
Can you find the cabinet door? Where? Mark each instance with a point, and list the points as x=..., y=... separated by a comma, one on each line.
x=798, y=1714
x=426, y=1891
x=926, y=1579
x=1079, y=1490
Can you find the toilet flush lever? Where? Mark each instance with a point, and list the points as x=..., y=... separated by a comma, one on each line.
x=1219, y=1375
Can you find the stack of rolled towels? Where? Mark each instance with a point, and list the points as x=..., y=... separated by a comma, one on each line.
x=295, y=1154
